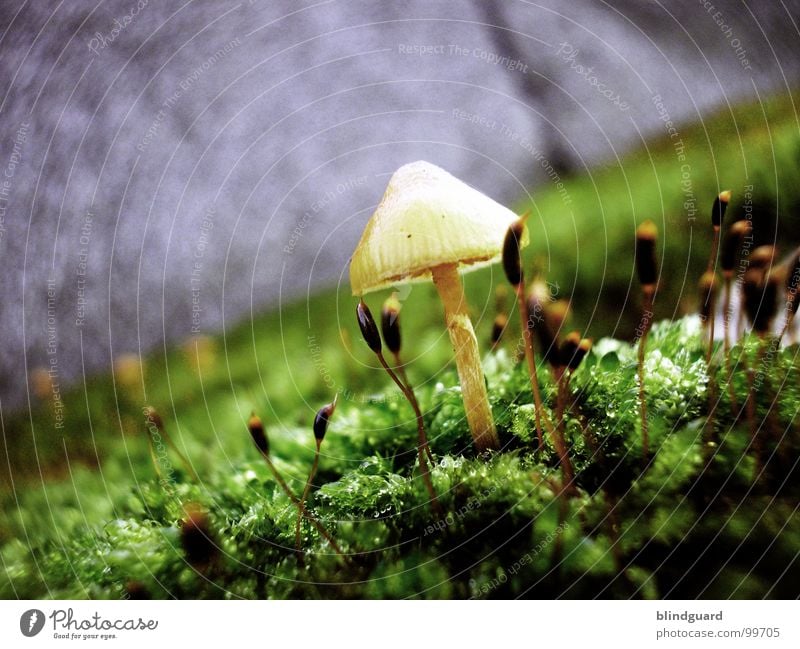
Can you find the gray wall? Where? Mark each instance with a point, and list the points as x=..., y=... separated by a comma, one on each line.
x=230, y=153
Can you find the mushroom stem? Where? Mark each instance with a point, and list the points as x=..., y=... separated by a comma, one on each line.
x=468, y=360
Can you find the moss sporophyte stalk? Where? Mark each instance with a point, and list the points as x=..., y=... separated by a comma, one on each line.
x=370, y=332
x=647, y=268
x=731, y=250
x=320, y=428
x=258, y=434
x=512, y=265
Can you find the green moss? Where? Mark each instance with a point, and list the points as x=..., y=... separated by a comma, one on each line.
x=504, y=528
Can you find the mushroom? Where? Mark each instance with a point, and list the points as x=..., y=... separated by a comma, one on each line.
x=430, y=226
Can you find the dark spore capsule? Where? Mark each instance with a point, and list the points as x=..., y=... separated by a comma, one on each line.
x=258, y=434
x=762, y=257
x=760, y=299
x=538, y=297
x=390, y=324
x=136, y=590
x=731, y=245
x=569, y=349
x=197, y=541
x=322, y=418
x=512, y=263
x=646, y=266
x=750, y=292
x=154, y=419
x=537, y=321
x=549, y=328
x=368, y=327
x=719, y=207
x=498, y=327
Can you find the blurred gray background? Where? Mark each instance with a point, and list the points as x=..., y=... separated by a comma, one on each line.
x=176, y=167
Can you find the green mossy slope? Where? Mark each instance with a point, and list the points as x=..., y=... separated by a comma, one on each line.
x=702, y=520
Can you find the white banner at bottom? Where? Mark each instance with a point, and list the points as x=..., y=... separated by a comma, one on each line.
x=408, y=624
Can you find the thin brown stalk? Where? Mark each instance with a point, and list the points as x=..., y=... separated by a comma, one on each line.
x=647, y=291
x=302, y=510
x=727, y=345
x=153, y=457
x=409, y=392
x=527, y=335
x=154, y=419
x=712, y=263
x=559, y=437
x=422, y=441
x=311, y=519
x=755, y=437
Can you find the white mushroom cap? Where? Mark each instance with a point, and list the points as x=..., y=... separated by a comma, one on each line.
x=427, y=218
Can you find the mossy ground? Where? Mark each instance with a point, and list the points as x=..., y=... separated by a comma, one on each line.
x=84, y=515
x=701, y=520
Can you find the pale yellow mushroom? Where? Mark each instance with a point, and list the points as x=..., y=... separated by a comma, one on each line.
x=430, y=226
